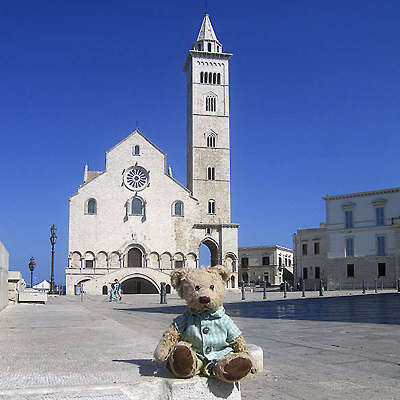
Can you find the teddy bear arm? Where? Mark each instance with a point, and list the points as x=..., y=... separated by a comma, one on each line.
x=168, y=340
x=239, y=345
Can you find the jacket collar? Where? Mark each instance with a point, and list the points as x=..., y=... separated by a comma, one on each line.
x=212, y=314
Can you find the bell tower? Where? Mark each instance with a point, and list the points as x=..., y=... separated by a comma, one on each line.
x=208, y=148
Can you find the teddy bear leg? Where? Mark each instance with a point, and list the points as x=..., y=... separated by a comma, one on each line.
x=233, y=367
x=182, y=361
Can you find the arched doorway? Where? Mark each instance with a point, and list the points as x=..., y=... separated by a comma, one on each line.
x=135, y=258
x=138, y=286
x=208, y=253
x=232, y=281
x=105, y=290
x=78, y=287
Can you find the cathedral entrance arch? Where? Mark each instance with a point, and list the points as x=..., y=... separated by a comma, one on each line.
x=208, y=253
x=135, y=258
x=138, y=285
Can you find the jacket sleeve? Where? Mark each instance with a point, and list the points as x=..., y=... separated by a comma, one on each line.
x=232, y=330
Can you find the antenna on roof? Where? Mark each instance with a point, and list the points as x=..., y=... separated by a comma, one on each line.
x=206, y=6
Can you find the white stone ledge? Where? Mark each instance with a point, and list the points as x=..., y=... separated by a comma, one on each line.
x=154, y=388
x=32, y=296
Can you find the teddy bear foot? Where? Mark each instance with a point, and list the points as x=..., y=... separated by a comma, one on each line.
x=233, y=368
x=182, y=361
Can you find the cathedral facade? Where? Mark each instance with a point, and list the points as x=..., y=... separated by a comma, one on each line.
x=133, y=221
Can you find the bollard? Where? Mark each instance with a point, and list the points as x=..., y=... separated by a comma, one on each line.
x=163, y=293
x=243, y=297
x=363, y=287
x=264, y=290
x=284, y=290
x=303, y=288
x=321, y=293
x=376, y=285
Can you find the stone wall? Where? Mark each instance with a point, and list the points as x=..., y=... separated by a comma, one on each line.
x=3, y=276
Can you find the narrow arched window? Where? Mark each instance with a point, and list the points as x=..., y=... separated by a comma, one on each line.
x=218, y=79
x=201, y=77
x=211, y=173
x=209, y=47
x=137, y=206
x=199, y=47
x=205, y=77
x=211, y=103
x=211, y=206
x=136, y=150
x=92, y=206
x=210, y=141
x=178, y=209
x=214, y=78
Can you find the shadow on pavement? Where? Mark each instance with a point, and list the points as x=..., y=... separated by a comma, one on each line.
x=149, y=368
x=374, y=309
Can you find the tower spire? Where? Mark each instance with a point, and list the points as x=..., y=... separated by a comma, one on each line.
x=207, y=39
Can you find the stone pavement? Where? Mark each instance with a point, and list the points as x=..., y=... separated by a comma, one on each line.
x=344, y=347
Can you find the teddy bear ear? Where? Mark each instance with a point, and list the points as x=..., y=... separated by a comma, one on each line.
x=177, y=277
x=221, y=270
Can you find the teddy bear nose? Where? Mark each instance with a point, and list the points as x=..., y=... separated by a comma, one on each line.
x=204, y=299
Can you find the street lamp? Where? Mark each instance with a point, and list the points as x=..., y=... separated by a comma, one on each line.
x=53, y=238
x=32, y=266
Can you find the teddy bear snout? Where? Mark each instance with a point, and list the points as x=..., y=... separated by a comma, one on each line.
x=204, y=299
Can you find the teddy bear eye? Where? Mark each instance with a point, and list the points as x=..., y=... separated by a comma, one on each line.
x=212, y=287
x=197, y=287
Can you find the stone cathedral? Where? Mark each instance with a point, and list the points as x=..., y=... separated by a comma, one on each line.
x=133, y=221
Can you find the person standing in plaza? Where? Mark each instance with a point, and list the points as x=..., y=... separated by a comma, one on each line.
x=118, y=289
x=113, y=296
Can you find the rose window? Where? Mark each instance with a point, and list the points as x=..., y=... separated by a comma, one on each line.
x=136, y=178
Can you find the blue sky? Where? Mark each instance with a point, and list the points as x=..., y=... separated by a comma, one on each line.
x=315, y=96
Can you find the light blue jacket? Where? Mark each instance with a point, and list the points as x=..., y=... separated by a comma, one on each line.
x=209, y=332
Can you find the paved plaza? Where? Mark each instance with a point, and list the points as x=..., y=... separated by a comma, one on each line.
x=335, y=347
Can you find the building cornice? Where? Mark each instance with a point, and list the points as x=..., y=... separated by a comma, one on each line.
x=362, y=194
x=274, y=246
x=204, y=226
x=205, y=55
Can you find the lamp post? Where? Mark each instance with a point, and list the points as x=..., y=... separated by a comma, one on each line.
x=53, y=238
x=32, y=266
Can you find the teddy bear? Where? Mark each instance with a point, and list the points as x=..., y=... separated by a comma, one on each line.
x=204, y=340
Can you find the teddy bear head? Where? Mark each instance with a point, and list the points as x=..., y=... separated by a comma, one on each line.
x=203, y=289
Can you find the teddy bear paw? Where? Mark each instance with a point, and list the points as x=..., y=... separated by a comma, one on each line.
x=182, y=361
x=234, y=369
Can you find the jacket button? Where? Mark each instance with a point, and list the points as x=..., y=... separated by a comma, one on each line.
x=206, y=330
x=208, y=350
